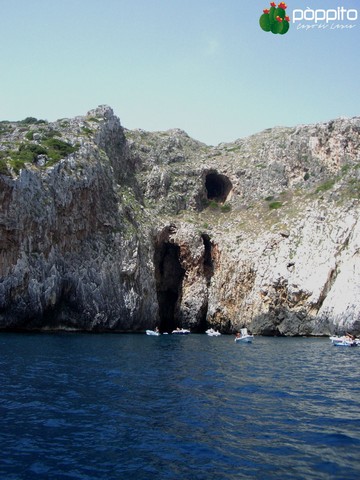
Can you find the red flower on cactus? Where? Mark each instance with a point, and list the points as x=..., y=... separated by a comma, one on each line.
x=287, y=18
x=282, y=5
x=273, y=4
x=279, y=19
x=266, y=11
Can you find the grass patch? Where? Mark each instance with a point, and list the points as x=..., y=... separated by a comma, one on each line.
x=213, y=205
x=354, y=187
x=275, y=205
x=87, y=131
x=345, y=168
x=225, y=208
x=328, y=185
x=3, y=167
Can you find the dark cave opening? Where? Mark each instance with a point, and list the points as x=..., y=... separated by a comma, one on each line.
x=218, y=187
x=169, y=276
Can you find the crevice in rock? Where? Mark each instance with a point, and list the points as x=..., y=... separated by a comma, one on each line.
x=218, y=187
x=327, y=287
x=332, y=275
x=208, y=261
x=169, y=276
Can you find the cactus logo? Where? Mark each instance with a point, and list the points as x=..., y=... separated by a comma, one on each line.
x=274, y=19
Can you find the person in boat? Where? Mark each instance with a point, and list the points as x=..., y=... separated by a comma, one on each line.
x=237, y=335
x=157, y=330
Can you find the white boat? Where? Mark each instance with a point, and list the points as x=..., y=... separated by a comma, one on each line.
x=152, y=332
x=345, y=341
x=181, y=331
x=244, y=337
x=212, y=333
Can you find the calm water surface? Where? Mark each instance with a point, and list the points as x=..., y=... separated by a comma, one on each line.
x=77, y=406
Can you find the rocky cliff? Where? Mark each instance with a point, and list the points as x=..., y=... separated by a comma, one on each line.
x=104, y=228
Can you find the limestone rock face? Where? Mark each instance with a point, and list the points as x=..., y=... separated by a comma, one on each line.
x=103, y=228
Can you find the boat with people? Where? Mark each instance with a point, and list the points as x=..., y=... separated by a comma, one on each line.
x=155, y=333
x=243, y=336
x=181, y=331
x=345, y=341
x=212, y=333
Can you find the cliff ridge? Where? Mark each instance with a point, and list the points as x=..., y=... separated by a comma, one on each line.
x=108, y=229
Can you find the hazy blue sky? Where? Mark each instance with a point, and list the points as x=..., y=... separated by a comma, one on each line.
x=204, y=66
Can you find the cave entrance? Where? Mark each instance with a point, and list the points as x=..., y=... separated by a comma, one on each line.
x=217, y=187
x=169, y=276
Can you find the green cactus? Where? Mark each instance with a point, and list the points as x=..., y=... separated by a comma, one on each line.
x=276, y=27
x=279, y=12
x=265, y=22
x=272, y=14
x=269, y=22
x=285, y=27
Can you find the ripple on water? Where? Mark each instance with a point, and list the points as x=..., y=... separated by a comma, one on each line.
x=138, y=407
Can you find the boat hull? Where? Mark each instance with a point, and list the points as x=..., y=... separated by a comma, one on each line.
x=246, y=339
x=152, y=332
x=212, y=333
x=344, y=342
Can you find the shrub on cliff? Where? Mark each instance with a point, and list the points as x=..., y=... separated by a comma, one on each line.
x=58, y=149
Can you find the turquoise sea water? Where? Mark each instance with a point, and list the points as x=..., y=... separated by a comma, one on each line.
x=123, y=406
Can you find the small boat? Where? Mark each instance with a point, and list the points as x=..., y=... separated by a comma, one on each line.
x=244, y=336
x=212, y=333
x=345, y=341
x=181, y=331
x=152, y=332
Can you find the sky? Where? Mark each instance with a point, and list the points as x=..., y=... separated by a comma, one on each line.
x=204, y=66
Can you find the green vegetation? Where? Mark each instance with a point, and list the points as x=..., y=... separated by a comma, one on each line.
x=213, y=205
x=31, y=121
x=3, y=167
x=58, y=149
x=225, y=208
x=52, y=133
x=29, y=135
x=87, y=130
x=328, y=185
x=354, y=187
x=275, y=205
x=53, y=148
x=345, y=168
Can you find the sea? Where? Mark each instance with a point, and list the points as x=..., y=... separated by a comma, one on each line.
x=131, y=406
